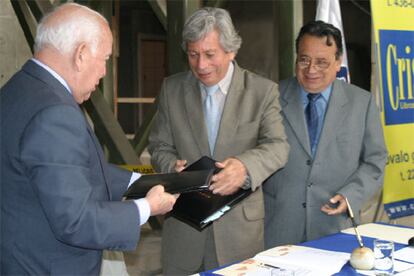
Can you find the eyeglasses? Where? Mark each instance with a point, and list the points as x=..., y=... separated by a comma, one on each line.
x=319, y=64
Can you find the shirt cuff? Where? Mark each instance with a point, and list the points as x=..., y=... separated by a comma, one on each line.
x=247, y=183
x=144, y=210
x=134, y=177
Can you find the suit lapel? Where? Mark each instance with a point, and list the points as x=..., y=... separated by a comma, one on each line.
x=334, y=116
x=229, y=122
x=101, y=158
x=195, y=114
x=292, y=108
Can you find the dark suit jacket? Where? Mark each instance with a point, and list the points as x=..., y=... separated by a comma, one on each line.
x=250, y=129
x=60, y=199
x=349, y=160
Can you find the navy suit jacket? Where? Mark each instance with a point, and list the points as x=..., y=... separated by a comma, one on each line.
x=60, y=199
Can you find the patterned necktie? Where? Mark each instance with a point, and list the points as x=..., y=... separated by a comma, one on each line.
x=211, y=109
x=312, y=119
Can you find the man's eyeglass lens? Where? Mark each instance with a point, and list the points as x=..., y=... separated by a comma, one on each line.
x=318, y=64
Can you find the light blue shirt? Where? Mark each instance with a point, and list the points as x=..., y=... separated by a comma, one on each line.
x=142, y=204
x=221, y=94
x=321, y=105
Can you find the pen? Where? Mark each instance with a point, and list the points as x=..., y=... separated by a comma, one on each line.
x=270, y=266
x=351, y=215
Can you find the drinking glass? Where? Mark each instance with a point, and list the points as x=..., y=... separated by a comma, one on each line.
x=384, y=257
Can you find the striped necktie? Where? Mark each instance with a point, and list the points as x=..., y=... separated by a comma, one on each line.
x=312, y=120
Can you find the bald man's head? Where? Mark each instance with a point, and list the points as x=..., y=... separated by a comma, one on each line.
x=69, y=25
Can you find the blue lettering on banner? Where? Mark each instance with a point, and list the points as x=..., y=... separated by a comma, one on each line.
x=400, y=208
x=397, y=65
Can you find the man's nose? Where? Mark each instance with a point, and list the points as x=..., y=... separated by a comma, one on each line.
x=202, y=62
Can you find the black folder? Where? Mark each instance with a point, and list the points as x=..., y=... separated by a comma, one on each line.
x=182, y=182
x=200, y=208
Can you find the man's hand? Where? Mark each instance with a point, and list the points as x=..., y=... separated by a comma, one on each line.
x=341, y=207
x=180, y=165
x=230, y=178
x=159, y=201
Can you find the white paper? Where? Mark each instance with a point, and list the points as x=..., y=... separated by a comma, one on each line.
x=316, y=261
x=405, y=254
x=381, y=231
x=399, y=269
x=402, y=266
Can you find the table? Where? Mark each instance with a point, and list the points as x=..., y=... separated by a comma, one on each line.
x=336, y=242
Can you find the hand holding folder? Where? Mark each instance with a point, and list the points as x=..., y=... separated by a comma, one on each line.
x=182, y=182
x=197, y=205
x=200, y=208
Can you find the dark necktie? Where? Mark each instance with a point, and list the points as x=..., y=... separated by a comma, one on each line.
x=312, y=119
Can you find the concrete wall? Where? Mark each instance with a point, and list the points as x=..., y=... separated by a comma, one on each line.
x=14, y=50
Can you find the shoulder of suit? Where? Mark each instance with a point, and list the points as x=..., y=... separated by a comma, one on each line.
x=179, y=77
x=34, y=94
x=252, y=78
x=286, y=83
x=352, y=89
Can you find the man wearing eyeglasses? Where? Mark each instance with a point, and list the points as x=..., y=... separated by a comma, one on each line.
x=337, y=145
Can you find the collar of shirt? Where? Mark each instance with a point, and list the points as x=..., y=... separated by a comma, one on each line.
x=53, y=73
x=224, y=84
x=325, y=94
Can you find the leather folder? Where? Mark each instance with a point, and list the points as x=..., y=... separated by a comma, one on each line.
x=182, y=182
x=200, y=208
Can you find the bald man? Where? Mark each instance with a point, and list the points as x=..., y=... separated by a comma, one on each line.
x=60, y=200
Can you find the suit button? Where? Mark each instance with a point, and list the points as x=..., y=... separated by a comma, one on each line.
x=308, y=162
x=304, y=204
x=310, y=184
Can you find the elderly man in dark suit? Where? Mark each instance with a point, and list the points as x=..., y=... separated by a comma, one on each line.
x=60, y=199
x=337, y=145
x=232, y=115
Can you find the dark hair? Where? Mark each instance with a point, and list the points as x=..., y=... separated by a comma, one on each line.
x=322, y=29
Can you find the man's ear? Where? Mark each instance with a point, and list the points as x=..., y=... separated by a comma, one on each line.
x=338, y=63
x=80, y=56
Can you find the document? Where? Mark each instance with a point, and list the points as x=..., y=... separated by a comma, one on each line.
x=400, y=268
x=252, y=267
x=306, y=260
x=405, y=254
x=381, y=231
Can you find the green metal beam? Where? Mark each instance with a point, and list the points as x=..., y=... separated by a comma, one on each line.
x=109, y=131
x=289, y=22
x=178, y=12
x=159, y=7
x=26, y=19
x=140, y=140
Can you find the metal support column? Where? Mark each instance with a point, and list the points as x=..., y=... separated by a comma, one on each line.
x=289, y=22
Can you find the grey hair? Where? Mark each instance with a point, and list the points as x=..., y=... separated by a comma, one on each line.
x=67, y=33
x=205, y=20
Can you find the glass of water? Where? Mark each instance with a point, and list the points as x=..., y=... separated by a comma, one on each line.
x=384, y=257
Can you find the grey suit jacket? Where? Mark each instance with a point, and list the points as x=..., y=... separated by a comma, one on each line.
x=250, y=129
x=350, y=160
x=60, y=200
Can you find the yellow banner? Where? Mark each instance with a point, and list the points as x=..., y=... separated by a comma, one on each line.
x=393, y=22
